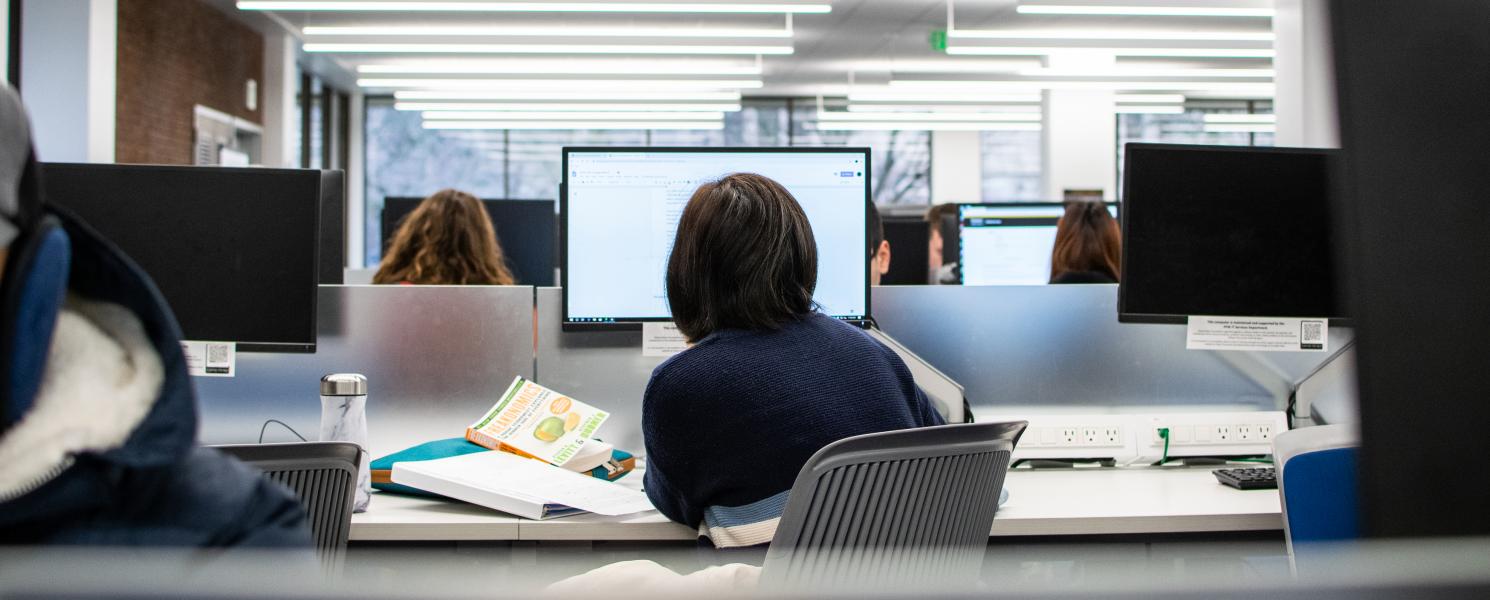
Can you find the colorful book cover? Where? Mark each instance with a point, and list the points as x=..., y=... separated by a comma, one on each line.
x=534, y=421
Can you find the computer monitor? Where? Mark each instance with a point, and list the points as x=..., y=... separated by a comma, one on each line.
x=1008, y=244
x=1226, y=231
x=620, y=209
x=233, y=250
x=526, y=229
x=333, y=260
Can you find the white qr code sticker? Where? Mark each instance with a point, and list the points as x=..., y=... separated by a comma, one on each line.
x=1258, y=334
x=210, y=359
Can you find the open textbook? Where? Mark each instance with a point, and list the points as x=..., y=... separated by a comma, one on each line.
x=529, y=422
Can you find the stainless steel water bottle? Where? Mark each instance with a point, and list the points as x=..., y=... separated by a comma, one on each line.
x=344, y=419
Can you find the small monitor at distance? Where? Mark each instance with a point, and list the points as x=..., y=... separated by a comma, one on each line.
x=620, y=209
x=1009, y=244
x=526, y=230
x=1226, y=231
x=234, y=251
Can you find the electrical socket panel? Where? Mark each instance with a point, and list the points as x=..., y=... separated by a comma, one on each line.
x=1134, y=438
x=1212, y=434
x=1075, y=436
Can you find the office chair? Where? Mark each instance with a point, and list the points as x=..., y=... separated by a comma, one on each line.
x=1317, y=485
x=323, y=475
x=893, y=510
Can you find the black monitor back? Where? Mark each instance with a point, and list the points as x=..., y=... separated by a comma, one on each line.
x=1413, y=81
x=908, y=236
x=233, y=250
x=333, y=259
x=526, y=229
x=1226, y=231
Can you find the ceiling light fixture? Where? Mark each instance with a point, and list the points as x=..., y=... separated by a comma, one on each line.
x=1005, y=86
x=1150, y=109
x=923, y=126
x=557, y=67
x=1135, y=73
x=549, y=106
x=400, y=48
x=594, y=6
x=1106, y=34
x=907, y=95
x=930, y=117
x=536, y=31
x=561, y=84
x=592, y=96
x=1143, y=11
x=1239, y=118
x=458, y=125
x=571, y=116
x=1141, y=52
x=1150, y=98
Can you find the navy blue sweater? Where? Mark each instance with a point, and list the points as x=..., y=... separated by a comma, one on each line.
x=729, y=422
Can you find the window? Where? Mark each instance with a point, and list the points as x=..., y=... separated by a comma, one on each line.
x=901, y=160
x=1012, y=165
x=1189, y=127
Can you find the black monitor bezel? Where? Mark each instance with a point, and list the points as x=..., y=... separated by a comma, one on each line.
x=1126, y=316
x=962, y=280
x=315, y=275
x=636, y=323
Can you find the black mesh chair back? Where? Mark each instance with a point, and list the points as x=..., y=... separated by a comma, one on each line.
x=323, y=475
x=895, y=511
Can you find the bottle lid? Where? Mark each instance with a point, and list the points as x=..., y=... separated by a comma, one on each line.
x=344, y=384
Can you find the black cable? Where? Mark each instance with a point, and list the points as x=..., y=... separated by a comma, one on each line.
x=281, y=424
x=1293, y=400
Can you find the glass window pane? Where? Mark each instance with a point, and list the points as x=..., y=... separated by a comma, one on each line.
x=406, y=160
x=901, y=160
x=1189, y=127
x=1012, y=165
x=533, y=157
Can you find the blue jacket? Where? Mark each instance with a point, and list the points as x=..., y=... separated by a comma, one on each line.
x=157, y=489
x=729, y=422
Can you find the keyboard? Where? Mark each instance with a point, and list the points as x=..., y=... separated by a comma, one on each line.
x=1251, y=478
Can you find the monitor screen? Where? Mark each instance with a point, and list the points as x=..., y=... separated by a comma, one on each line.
x=1226, y=231
x=621, y=208
x=1008, y=244
x=233, y=250
x=526, y=230
x=333, y=227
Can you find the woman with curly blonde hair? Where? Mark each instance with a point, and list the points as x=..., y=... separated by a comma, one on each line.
x=447, y=240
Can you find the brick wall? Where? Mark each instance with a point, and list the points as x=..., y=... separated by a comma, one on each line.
x=173, y=55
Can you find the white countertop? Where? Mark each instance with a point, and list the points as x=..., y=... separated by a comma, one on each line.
x=1083, y=501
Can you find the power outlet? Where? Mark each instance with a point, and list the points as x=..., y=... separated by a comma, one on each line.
x=1265, y=432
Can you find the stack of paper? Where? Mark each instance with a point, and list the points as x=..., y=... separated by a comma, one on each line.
x=520, y=486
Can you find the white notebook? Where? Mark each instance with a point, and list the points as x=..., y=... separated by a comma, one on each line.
x=521, y=486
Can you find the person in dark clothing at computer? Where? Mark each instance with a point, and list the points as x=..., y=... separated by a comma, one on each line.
x=769, y=381
x=1088, y=245
x=97, y=414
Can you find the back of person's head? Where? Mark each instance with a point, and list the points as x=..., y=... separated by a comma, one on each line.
x=447, y=240
x=744, y=258
x=1087, y=239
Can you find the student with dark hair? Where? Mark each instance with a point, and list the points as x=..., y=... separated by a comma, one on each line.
x=1088, y=245
x=729, y=422
x=879, y=247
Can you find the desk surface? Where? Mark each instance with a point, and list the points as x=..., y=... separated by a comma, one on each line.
x=1051, y=502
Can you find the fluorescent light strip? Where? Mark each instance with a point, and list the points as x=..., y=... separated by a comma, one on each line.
x=548, y=106
x=1143, y=52
x=942, y=97
x=923, y=126
x=930, y=86
x=1239, y=118
x=1150, y=98
x=1144, y=11
x=479, y=31
x=1150, y=109
x=611, y=7
x=944, y=108
x=395, y=48
x=929, y=117
x=595, y=96
x=557, y=67
x=571, y=116
x=714, y=125
x=1103, y=34
x=1240, y=128
x=1131, y=72
x=560, y=84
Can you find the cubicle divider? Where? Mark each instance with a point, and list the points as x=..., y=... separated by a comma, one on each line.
x=1062, y=346
x=435, y=357
x=602, y=368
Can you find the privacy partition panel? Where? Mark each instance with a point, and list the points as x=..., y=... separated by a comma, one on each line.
x=435, y=358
